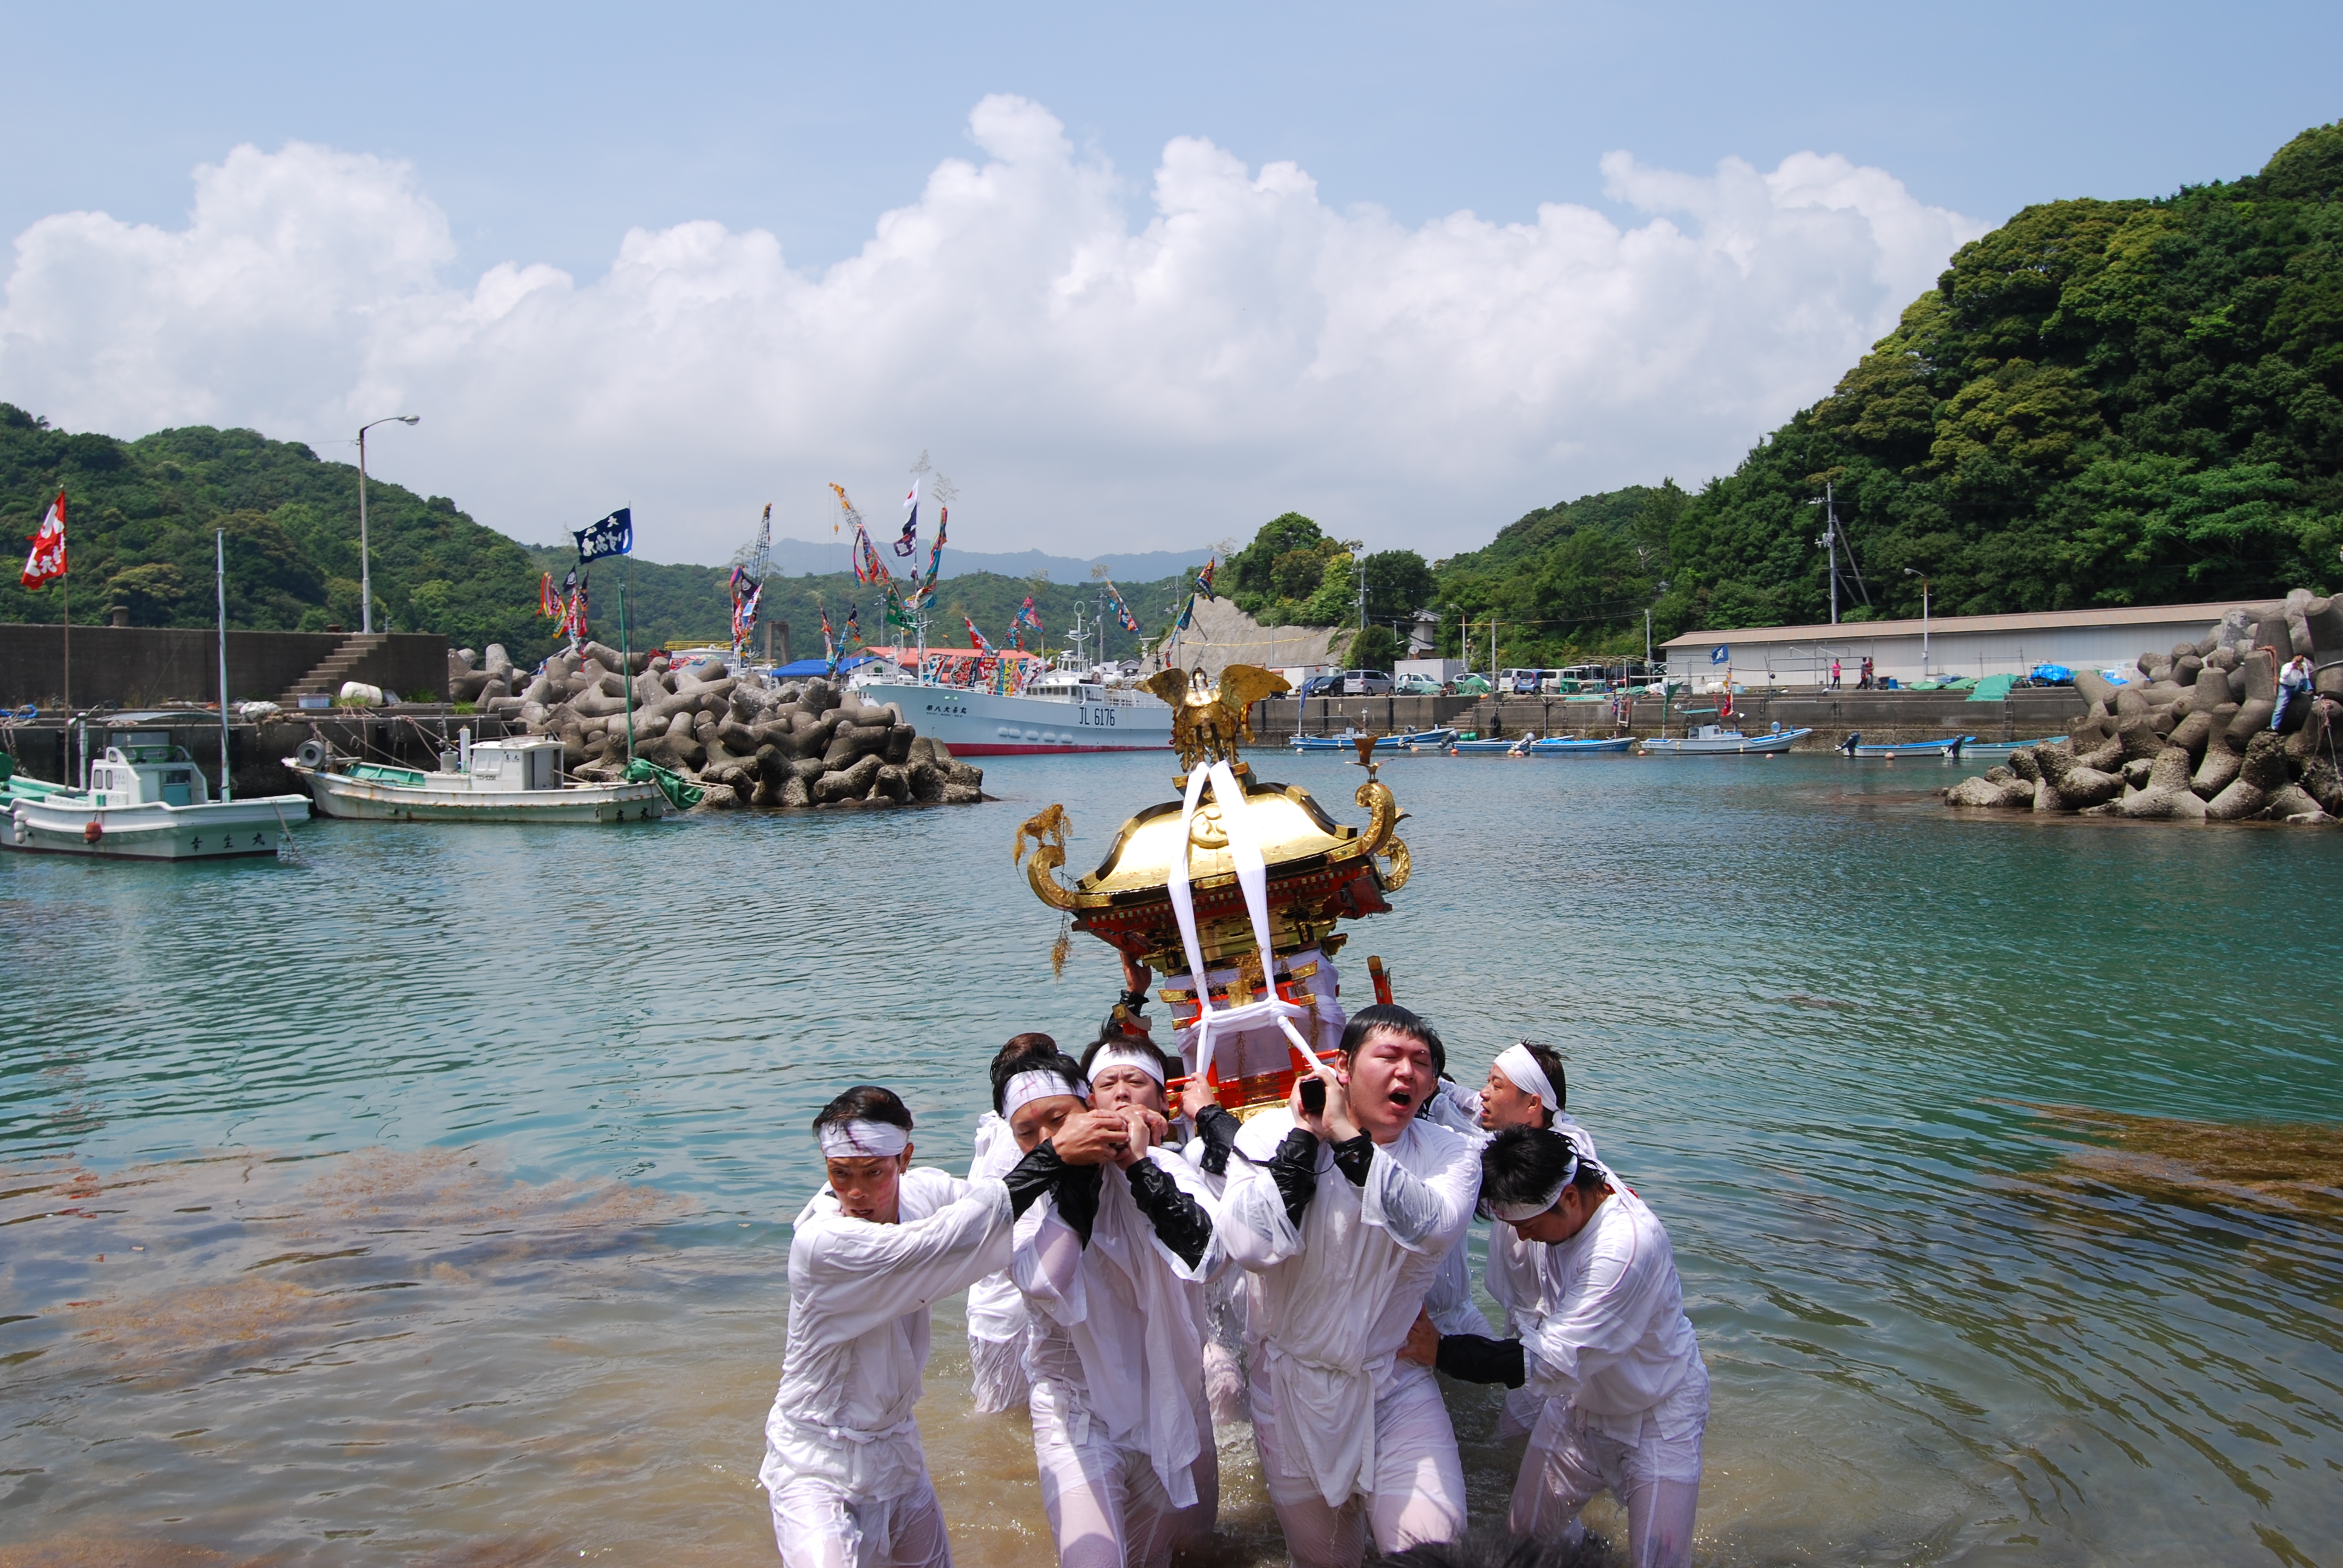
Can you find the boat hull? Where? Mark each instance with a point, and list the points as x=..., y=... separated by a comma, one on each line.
x=988, y=724
x=371, y=800
x=1605, y=746
x=217, y=831
x=1725, y=746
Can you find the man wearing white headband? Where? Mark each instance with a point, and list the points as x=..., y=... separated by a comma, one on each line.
x=996, y=1307
x=1112, y=1265
x=1588, y=1282
x=1341, y=1215
x=870, y=1252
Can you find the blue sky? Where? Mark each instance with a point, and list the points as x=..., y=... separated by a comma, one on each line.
x=541, y=134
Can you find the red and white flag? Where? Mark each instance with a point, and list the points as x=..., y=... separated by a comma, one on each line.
x=47, y=561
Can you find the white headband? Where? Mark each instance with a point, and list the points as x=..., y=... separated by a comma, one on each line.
x=1113, y=1055
x=1038, y=1084
x=1519, y=1213
x=1519, y=1066
x=862, y=1140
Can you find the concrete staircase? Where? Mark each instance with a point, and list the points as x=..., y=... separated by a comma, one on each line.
x=335, y=668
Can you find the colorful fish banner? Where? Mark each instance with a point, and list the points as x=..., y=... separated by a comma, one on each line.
x=853, y=627
x=976, y=638
x=828, y=638
x=1028, y=619
x=574, y=621
x=1122, y=610
x=549, y=603
x=935, y=560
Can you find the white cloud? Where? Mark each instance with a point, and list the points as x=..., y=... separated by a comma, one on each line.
x=1088, y=385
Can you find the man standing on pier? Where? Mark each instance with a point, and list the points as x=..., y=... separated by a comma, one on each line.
x=1340, y=1210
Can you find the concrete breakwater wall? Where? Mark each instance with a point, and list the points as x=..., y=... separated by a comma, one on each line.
x=1880, y=716
x=143, y=666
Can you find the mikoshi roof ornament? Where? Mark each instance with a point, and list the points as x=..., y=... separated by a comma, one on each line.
x=1232, y=893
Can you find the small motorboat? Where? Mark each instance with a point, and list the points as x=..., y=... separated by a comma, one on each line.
x=517, y=780
x=1715, y=740
x=146, y=800
x=2002, y=749
x=1426, y=741
x=1495, y=746
x=1948, y=748
x=1347, y=740
x=1580, y=745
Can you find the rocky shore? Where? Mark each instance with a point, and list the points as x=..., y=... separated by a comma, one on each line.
x=2188, y=738
x=743, y=739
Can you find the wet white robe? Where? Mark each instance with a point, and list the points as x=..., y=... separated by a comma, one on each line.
x=1115, y=1353
x=840, y=1444
x=996, y=1308
x=1332, y=1301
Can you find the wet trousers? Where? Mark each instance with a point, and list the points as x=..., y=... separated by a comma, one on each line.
x=1107, y=1506
x=820, y=1525
x=1656, y=1478
x=1418, y=1482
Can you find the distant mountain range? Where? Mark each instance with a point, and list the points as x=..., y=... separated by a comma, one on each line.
x=802, y=557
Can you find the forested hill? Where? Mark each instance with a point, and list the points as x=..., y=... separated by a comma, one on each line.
x=141, y=514
x=2101, y=403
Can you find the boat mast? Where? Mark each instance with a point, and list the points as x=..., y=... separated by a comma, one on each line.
x=219, y=578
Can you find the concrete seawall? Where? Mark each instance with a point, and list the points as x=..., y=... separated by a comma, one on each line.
x=2026, y=714
x=139, y=666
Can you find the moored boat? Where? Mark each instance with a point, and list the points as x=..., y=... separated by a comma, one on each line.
x=1580, y=745
x=2004, y=747
x=494, y=781
x=1715, y=740
x=1949, y=746
x=1347, y=740
x=1496, y=745
x=146, y=800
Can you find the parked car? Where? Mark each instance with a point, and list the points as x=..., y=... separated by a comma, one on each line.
x=1365, y=683
x=1322, y=685
x=1416, y=686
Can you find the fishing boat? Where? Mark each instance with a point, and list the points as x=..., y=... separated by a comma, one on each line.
x=1347, y=740
x=1715, y=740
x=517, y=780
x=145, y=800
x=2004, y=747
x=1496, y=747
x=1580, y=745
x=1949, y=746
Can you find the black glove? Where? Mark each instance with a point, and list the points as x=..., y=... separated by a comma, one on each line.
x=1476, y=1358
x=1179, y=1221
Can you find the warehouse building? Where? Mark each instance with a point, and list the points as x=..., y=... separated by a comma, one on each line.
x=1943, y=647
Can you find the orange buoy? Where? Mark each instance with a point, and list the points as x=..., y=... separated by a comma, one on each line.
x=92, y=833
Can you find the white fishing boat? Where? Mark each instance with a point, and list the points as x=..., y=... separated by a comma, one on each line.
x=1063, y=709
x=1715, y=740
x=514, y=780
x=145, y=799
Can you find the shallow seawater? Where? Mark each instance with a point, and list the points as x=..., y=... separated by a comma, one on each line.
x=428, y=1200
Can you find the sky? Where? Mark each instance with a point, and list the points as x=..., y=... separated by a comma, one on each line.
x=1132, y=278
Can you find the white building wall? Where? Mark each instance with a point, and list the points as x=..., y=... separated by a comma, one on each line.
x=1807, y=662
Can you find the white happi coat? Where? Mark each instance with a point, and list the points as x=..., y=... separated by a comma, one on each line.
x=1601, y=1316
x=1332, y=1302
x=1117, y=1328
x=858, y=1339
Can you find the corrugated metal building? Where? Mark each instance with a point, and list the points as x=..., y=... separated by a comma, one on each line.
x=1944, y=647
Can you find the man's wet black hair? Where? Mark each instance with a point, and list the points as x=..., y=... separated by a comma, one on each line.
x=1006, y=1067
x=1522, y=1164
x=1399, y=1020
x=865, y=1102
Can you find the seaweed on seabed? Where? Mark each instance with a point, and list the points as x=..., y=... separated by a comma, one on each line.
x=2295, y=1168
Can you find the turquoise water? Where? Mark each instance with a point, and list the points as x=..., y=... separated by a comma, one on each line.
x=442, y=1180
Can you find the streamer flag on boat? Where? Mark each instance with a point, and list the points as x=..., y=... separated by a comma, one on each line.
x=748, y=593
x=1122, y=610
x=1187, y=612
x=610, y=536
x=908, y=545
x=549, y=603
x=898, y=613
x=46, y=564
x=830, y=638
x=920, y=595
x=1028, y=619
x=975, y=637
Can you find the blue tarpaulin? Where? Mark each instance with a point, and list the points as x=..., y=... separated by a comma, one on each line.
x=810, y=667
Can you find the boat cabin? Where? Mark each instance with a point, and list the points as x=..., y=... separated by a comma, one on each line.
x=531, y=764
x=144, y=768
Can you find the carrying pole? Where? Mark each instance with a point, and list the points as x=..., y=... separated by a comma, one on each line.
x=219, y=574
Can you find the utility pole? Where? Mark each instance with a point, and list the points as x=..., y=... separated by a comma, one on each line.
x=1829, y=541
x=1924, y=619
x=365, y=566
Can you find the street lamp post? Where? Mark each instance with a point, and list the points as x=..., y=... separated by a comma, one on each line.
x=1924, y=619
x=366, y=565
